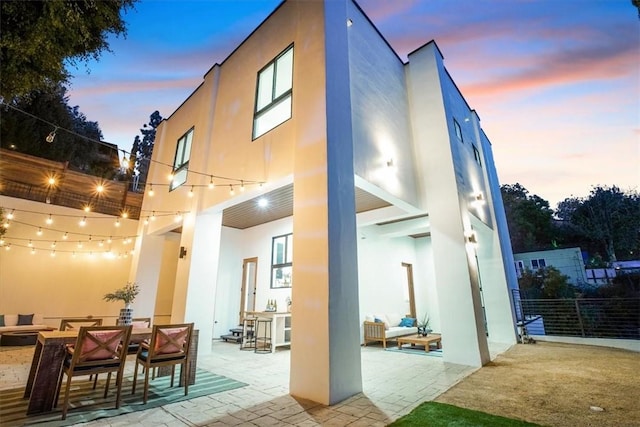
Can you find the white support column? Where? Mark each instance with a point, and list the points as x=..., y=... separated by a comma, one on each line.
x=145, y=270
x=196, y=275
x=325, y=347
x=463, y=334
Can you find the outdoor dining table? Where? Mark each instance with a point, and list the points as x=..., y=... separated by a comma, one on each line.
x=48, y=356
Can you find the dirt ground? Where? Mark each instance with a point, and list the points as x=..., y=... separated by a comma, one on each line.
x=555, y=384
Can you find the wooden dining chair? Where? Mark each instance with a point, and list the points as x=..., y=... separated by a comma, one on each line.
x=138, y=322
x=75, y=323
x=169, y=346
x=98, y=349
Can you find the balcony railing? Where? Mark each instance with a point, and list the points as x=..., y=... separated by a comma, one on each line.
x=581, y=317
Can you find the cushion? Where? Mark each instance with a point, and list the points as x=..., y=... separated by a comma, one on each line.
x=369, y=318
x=89, y=345
x=381, y=318
x=407, y=322
x=10, y=319
x=394, y=319
x=25, y=319
x=140, y=324
x=163, y=345
x=1, y=319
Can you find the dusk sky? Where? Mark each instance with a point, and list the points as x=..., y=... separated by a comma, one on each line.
x=556, y=83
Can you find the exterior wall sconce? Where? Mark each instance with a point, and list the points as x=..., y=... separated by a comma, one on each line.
x=478, y=200
x=390, y=162
x=471, y=238
x=349, y=22
x=183, y=252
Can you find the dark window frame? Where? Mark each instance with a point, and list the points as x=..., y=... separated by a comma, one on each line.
x=177, y=169
x=285, y=255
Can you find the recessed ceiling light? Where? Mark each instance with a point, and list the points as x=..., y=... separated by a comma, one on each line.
x=263, y=202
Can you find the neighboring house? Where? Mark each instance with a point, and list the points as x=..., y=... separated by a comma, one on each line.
x=314, y=164
x=568, y=261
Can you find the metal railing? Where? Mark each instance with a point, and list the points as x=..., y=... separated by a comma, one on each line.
x=581, y=317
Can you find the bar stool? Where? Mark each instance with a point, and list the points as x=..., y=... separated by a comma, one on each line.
x=248, y=341
x=263, y=335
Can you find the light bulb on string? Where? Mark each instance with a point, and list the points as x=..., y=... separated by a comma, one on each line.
x=79, y=244
x=241, y=185
x=178, y=217
x=151, y=192
x=49, y=220
x=190, y=194
x=83, y=221
x=117, y=224
x=99, y=188
x=53, y=245
x=51, y=181
x=65, y=236
x=39, y=232
x=53, y=254
x=8, y=247
x=87, y=208
x=231, y=190
x=1, y=241
x=153, y=216
x=73, y=254
x=6, y=224
x=30, y=244
x=109, y=240
x=101, y=243
x=10, y=214
x=33, y=251
x=51, y=136
x=125, y=214
x=211, y=184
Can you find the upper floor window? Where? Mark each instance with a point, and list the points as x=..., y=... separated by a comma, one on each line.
x=274, y=93
x=476, y=155
x=181, y=160
x=538, y=263
x=282, y=261
x=456, y=126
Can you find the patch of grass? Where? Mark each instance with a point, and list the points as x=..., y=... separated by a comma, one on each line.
x=434, y=414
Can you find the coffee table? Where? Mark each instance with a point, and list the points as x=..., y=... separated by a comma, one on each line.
x=15, y=338
x=420, y=340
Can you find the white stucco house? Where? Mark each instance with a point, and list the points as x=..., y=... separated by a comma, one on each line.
x=354, y=174
x=567, y=260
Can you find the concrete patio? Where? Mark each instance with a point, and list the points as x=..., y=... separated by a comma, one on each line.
x=394, y=383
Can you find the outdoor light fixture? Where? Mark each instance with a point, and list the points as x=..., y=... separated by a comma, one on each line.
x=471, y=239
x=190, y=194
x=10, y=214
x=51, y=136
x=231, y=190
x=211, y=184
x=151, y=192
x=263, y=202
x=349, y=22
x=49, y=220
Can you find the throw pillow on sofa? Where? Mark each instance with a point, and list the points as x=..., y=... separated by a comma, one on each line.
x=25, y=319
x=394, y=319
x=407, y=322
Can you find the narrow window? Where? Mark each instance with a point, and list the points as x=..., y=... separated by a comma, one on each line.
x=542, y=263
x=274, y=93
x=534, y=263
x=476, y=155
x=181, y=160
x=456, y=125
x=281, y=261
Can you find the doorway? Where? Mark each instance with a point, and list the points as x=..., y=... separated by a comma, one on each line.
x=410, y=292
x=248, y=289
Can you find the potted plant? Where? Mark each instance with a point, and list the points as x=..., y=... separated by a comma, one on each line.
x=126, y=294
x=423, y=326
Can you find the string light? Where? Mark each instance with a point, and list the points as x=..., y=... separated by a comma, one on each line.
x=241, y=185
x=151, y=192
x=125, y=214
x=10, y=214
x=153, y=216
x=33, y=251
x=146, y=221
x=53, y=245
x=126, y=163
x=49, y=220
x=231, y=190
x=190, y=194
x=39, y=232
x=51, y=181
x=87, y=208
x=83, y=221
x=65, y=236
x=100, y=188
x=117, y=224
x=211, y=184
x=30, y=244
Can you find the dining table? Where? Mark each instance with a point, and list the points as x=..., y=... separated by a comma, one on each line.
x=48, y=357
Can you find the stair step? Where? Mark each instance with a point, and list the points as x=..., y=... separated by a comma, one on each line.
x=236, y=331
x=234, y=338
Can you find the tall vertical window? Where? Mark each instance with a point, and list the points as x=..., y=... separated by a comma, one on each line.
x=476, y=155
x=456, y=126
x=274, y=93
x=281, y=261
x=181, y=160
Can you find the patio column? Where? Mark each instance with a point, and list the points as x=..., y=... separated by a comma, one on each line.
x=325, y=347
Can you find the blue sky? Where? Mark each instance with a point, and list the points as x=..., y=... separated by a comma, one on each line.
x=556, y=83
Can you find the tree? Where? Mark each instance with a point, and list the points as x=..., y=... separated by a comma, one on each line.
x=27, y=121
x=545, y=283
x=529, y=219
x=608, y=220
x=142, y=150
x=39, y=38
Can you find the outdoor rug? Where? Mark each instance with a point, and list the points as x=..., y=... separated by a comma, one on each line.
x=418, y=349
x=86, y=404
